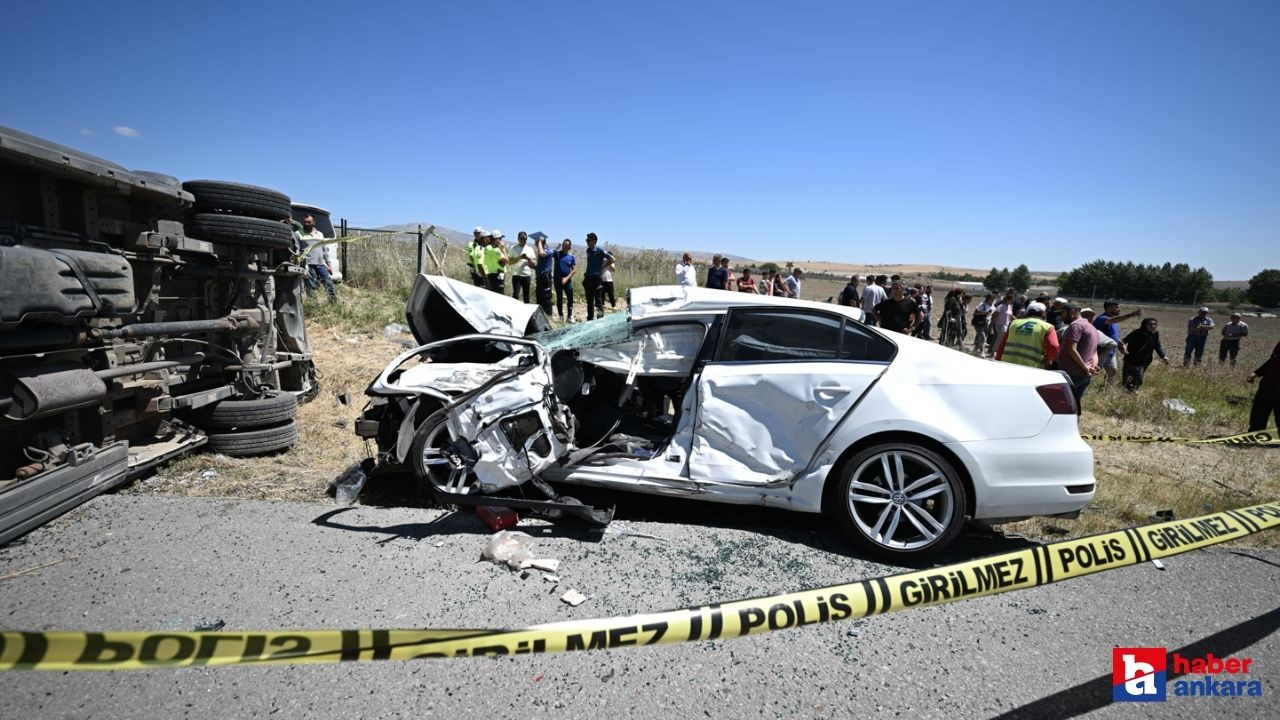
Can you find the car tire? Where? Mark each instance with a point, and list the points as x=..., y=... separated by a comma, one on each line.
x=893, y=517
x=238, y=199
x=240, y=230
x=246, y=414
x=251, y=443
x=434, y=478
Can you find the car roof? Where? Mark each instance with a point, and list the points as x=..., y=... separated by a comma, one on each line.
x=663, y=299
x=311, y=208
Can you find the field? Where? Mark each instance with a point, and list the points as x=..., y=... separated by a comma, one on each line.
x=1135, y=481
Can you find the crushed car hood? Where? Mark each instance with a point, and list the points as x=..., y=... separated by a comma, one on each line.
x=440, y=308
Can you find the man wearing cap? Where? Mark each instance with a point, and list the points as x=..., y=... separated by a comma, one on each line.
x=1232, y=332
x=1030, y=340
x=1078, y=356
x=1053, y=315
x=1198, y=329
x=1108, y=323
x=592, y=282
x=495, y=260
x=475, y=256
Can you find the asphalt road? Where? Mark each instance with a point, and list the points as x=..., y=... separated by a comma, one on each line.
x=138, y=562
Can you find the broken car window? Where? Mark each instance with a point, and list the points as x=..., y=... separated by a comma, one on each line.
x=609, y=330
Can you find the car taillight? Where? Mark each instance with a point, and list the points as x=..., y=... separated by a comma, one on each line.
x=1059, y=398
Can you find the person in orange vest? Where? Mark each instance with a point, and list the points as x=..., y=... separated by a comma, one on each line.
x=1030, y=340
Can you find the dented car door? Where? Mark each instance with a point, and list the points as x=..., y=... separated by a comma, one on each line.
x=781, y=382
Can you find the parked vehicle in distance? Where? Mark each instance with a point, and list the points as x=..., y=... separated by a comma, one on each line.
x=324, y=223
x=140, y=318
x=725, y=397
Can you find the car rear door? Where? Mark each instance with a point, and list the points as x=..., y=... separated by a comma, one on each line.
x=781, y=381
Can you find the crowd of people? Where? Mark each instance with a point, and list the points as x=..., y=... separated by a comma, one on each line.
x=1047, y=332
x=550, y=270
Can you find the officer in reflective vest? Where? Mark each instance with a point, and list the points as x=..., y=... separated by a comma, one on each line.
x=1030, y=340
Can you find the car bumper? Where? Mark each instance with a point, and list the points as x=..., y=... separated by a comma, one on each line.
x=1048, y=474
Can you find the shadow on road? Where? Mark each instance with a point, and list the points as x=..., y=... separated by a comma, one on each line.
x=815, y=531
x=451, y=523
x=1096, y=693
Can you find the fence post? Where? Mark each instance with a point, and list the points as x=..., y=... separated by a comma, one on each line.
x=342, y=249
x=419, y=271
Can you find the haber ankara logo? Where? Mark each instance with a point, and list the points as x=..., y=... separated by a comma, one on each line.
x=1137, y=674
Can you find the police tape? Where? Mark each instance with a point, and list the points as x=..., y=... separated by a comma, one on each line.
x=1258, y=437
x=1021, y=569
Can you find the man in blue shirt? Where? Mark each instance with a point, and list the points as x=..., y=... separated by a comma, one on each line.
x=565, y=266
x=591, y=281
x=717, y=276
x=1108, y=323
x=545, y=272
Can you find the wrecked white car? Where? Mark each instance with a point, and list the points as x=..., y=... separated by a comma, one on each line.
x=726, y=397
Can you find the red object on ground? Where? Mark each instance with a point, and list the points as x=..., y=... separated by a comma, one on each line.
x=497, y=518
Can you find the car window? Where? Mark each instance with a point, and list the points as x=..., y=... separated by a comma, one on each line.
x=773, y=335
x=860, y=343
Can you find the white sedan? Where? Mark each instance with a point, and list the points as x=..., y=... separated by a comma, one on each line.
x=726, y=397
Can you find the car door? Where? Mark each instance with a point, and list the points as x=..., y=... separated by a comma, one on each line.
x=781, y=381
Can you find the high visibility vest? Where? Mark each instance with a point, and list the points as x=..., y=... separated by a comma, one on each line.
x=476, y=253
x=1025, y=345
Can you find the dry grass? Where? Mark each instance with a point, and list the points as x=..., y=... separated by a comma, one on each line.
x=347, y=362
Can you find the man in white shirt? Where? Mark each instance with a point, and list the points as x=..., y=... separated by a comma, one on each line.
x=686, y=273
x=523, y=260
x=872, y=295
x=319, y=260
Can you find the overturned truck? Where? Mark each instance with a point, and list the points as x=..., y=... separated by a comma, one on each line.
x=140, y=318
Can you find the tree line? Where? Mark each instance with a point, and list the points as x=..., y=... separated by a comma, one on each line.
x=1176, y=283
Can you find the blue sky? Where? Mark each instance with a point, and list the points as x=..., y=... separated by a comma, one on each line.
x=955, y=133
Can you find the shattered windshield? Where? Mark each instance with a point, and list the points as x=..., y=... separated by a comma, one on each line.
x=608, y=330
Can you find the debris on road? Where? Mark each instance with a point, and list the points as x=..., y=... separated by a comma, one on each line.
x=348, y=485
x=509, y=547
x=543, y=564
x=632, y=533
x=573, y=598
x=1177, y=405
x=19, y=573
x=394, y=329
x=497, y=518
x=548, y=577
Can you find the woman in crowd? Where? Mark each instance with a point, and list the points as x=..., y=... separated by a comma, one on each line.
x=952, y=321
x=779, y=285
x=1141, y=345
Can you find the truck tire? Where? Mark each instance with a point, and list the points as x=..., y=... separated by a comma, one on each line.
x=250, y=443
x=240, y=230
x=238, y=199
x=246, y=414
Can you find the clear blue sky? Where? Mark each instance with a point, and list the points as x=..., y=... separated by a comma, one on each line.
x=956, y=133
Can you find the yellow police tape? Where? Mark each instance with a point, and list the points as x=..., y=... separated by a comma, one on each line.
x=1259, y=437
x=1026, y=568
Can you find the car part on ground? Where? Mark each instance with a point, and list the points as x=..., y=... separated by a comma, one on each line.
x=134, y=316
x=724, y=397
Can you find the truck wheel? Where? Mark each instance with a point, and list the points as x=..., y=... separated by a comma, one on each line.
x=241, y=230
x=244, y=414
x=249, y=443
x=238, y=199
